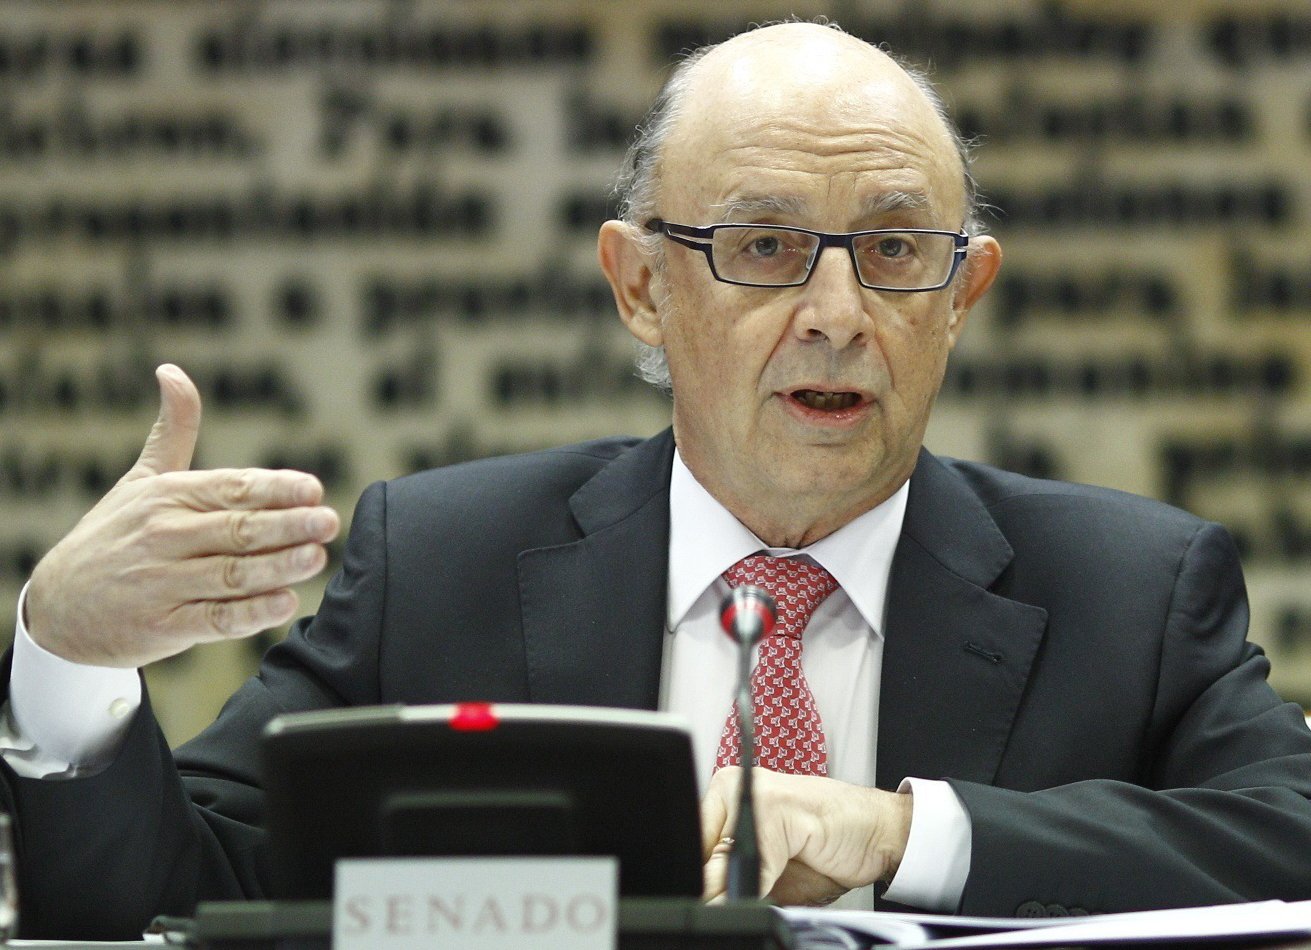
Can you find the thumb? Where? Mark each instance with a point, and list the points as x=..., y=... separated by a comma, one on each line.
x=172, y=439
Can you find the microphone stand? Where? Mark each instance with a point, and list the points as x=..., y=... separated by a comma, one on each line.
x=748, y=615
x=744, y=859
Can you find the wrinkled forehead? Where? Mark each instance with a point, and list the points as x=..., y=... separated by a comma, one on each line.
x=804, y=107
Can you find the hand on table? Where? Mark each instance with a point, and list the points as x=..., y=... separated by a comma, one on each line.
x=171, y=557
x=819, y=837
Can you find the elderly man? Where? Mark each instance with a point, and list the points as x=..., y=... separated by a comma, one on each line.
x=1014, y=696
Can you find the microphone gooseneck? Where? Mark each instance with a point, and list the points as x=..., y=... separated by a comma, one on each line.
x=748, y=615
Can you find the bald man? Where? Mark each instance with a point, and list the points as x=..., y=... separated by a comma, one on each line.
x=1019, y=696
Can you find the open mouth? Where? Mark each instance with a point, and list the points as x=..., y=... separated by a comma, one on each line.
x=826, y=401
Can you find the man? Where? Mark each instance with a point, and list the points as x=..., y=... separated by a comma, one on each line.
x=1059, y=674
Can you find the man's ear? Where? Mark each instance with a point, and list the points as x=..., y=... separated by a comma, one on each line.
x=627, y=265
x=977, y=274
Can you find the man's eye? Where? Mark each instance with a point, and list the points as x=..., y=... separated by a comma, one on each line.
x=893, y=247
x=766, y=246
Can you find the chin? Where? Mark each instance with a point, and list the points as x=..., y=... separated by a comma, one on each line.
x=828, y=474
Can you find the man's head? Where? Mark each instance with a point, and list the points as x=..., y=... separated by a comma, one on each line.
x=798, y=125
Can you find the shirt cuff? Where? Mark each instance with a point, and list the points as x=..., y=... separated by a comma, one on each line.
x=63, y=719
x=937, y=860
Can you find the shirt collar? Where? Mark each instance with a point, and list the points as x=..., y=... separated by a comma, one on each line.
x=705, y=539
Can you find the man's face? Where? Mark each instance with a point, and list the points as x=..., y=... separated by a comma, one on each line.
x=802, y=407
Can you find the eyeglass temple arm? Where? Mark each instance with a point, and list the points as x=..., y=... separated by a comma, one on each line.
x=682, y=234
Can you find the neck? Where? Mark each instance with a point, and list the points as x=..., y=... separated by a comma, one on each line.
x=795, y=520
x=797, y=532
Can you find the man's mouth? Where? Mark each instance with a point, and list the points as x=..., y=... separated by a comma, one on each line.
x=826, y=401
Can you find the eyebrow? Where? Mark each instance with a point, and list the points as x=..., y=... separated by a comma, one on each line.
x=892, y=201
x=748, y=206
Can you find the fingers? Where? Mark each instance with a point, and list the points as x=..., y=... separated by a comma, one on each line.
x=781, y=877
x=206, y=621
x=774, y=860
x=718, y=815
x=225, y=577
x=817, y=837
x=172, y=440
x=194, y=534
x=801, y=884
x=715, y=872
x=241, y=489
x=717, y=808
x=718, y=821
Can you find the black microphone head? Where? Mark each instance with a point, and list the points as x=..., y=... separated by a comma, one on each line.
x=748, y=614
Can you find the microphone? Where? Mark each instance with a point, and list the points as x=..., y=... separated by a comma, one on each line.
x=748, y=615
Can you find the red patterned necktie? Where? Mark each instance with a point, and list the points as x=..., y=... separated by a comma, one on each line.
x=789, y=733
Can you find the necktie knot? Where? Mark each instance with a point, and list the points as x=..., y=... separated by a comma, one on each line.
x=797, y=586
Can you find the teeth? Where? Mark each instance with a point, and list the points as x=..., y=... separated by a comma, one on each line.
x=825, y=400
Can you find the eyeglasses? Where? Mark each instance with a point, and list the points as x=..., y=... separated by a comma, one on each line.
x=755, y=255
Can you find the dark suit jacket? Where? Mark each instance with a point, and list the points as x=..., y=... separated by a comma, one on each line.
x=1072, y=659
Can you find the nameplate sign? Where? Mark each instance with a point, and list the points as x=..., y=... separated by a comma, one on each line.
x=476, y=904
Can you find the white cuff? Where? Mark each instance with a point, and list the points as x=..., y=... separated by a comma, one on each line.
x=937, y=860
x=63, y=718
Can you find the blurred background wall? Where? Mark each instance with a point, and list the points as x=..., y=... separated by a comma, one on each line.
x=366, y=228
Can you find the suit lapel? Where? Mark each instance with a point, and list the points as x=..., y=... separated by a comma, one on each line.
x=956, y=656
x=594, y=609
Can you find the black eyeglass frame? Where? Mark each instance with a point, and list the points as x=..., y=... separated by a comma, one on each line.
x=682, y=233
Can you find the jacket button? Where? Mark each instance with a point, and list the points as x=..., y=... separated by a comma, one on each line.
x=1057, y=910
x=1078, y=912
x=1031, y=909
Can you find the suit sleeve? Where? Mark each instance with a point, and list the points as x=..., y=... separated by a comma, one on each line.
x=156, y=832
x=1224, y=813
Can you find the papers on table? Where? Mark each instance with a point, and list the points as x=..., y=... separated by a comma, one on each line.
x=1223, y=923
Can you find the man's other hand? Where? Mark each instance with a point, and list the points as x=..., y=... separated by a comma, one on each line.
x=171, y=557
x=819, y=837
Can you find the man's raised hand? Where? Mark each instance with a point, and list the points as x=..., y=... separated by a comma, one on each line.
x=171, y=557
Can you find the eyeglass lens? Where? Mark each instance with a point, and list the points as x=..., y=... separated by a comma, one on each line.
x=774, y=256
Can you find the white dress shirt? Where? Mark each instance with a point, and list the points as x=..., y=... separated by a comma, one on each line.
x=66, y=719
x=842, y=658
x=63, y=719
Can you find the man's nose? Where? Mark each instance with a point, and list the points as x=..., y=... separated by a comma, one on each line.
x=833, y=302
